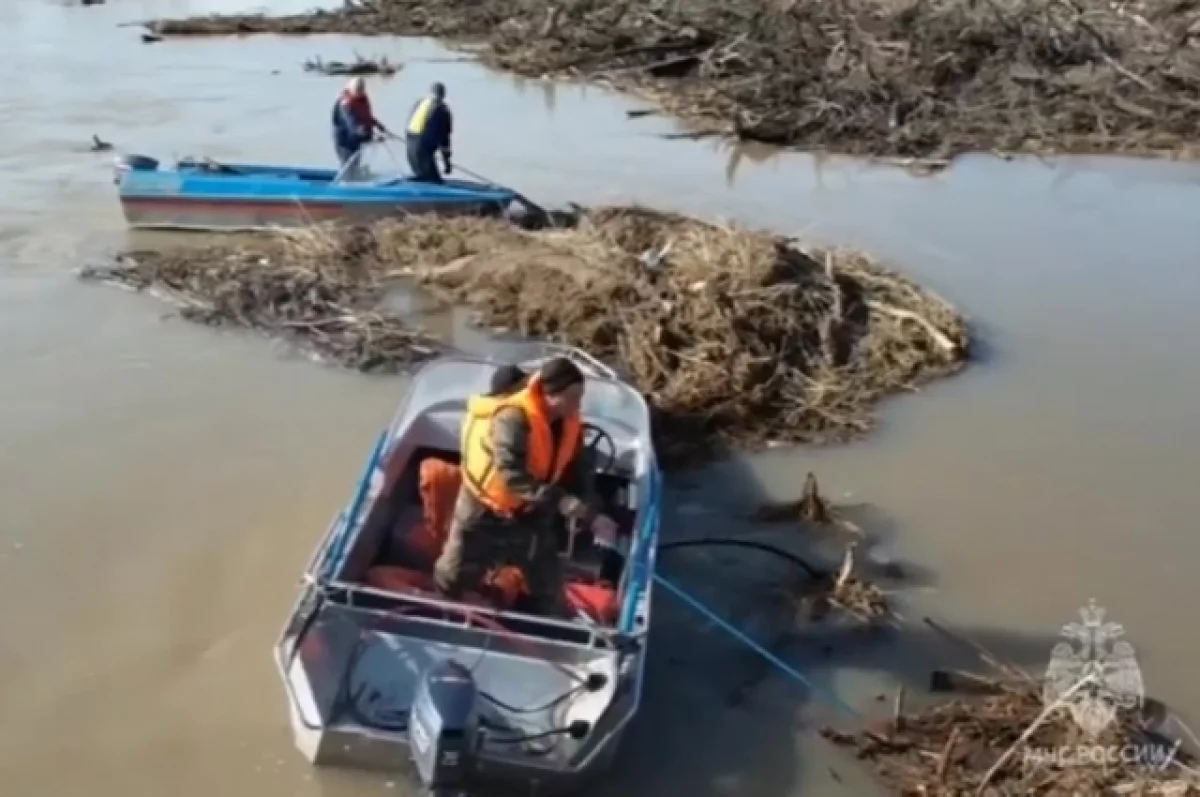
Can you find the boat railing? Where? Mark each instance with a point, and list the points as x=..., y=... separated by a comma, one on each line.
x=596, y=636
x=590, y=361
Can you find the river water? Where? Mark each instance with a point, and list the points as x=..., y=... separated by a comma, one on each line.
x=163, y=484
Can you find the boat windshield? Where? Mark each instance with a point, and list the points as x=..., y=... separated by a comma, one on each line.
x=452, y=382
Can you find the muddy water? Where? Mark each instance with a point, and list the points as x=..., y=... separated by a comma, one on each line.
x=163, y=484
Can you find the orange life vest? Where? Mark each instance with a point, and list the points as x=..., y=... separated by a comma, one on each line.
x=544, y=461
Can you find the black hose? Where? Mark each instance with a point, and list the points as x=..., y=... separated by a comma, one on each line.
x=724, y=542
x=565, y=696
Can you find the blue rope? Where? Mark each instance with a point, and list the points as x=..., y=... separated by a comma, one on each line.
x=825, y=694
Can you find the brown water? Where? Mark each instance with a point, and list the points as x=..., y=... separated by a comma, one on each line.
x=163, y=484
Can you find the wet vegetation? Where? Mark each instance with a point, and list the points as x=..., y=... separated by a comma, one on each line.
x=911, y=78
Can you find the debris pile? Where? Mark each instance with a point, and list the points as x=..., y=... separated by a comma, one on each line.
x=310, y=289
x=1016, y=736
x=907, y=78
x=736, y=337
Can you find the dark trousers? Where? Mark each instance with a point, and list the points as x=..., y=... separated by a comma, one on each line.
x=345, y=153
x=480, y=541
x=421, y=161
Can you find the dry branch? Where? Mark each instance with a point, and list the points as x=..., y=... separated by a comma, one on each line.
x=1005, y=744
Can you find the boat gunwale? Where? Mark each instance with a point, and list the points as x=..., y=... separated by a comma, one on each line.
x=468, y=197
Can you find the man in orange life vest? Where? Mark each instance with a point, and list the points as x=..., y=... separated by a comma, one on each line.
x=354, y=123
x=523, y=464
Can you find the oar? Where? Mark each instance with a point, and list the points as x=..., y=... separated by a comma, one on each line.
x=532, y=206
x=529, y=204
x=351, y=162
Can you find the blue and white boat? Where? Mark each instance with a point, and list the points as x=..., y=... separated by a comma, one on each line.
x=206, y=195
x=383, y=672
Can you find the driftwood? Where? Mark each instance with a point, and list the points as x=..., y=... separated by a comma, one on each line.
x=359, y=66
x=912, y=80
x=990, y=745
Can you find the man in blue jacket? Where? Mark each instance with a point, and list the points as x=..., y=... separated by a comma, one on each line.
x=354, y=123
x=429, y=129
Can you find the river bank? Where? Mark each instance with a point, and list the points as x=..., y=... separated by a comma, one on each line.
x=927, y=80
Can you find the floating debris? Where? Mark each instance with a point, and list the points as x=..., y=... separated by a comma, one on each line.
x=1013, y=740
x=917, y=79
x=359, y=66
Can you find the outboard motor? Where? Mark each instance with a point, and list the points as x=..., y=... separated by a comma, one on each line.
x=132, y=163
x=443, y=727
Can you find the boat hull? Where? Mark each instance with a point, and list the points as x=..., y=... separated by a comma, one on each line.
x=229, y=197
x=184, y=213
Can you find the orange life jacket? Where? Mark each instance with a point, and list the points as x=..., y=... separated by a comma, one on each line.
x=544, y=461
x=359, y=106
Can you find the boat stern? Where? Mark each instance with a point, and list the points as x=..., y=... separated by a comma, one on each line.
x=451, y=706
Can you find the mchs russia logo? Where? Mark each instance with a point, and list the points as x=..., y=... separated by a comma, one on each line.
x=1095, y=674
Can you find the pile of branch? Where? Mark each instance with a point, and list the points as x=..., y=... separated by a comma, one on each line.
x=737, y=338
x=359, y=66
x=308, y=289
x=1008, y=738
x=908, y=78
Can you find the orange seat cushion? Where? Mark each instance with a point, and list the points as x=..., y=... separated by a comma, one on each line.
x=439, y=481
x=597, y=601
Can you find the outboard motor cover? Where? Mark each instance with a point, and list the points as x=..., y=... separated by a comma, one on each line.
x=444, y=725
x=135, y=163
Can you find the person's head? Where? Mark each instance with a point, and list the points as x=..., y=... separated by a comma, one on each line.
x=507, y=379
x=357, y=87
x=562, y=386
x=438, y=91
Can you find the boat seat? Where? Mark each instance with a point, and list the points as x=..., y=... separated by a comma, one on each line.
x=438, y=483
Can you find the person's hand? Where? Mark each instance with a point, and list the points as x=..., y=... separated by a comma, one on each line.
x=605, y=530
x=572, y=508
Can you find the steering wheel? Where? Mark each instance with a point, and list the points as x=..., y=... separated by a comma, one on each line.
x=594, y=438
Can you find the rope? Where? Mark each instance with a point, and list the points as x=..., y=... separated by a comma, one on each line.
x=825, y=695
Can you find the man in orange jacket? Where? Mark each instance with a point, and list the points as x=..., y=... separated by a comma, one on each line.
x=354, y=122
x=523, y=465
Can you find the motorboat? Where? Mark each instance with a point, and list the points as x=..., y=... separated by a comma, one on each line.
x=382, y=672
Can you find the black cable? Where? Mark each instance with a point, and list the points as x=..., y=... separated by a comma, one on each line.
x=725, y=542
